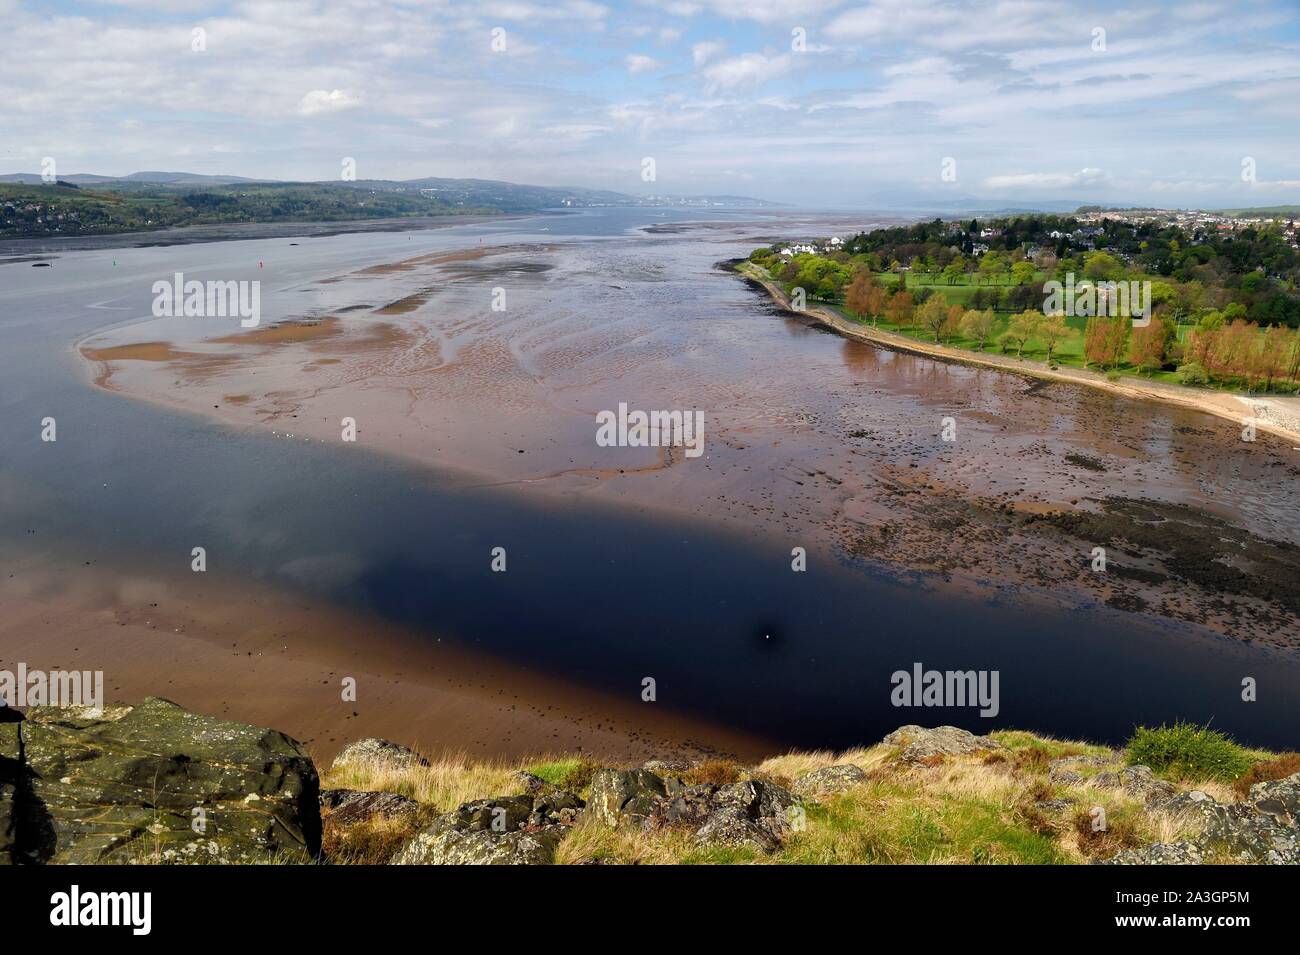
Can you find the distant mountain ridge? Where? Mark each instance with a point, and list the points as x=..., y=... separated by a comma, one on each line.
x=478, y=193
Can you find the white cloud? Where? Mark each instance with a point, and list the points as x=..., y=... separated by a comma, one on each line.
x=640, y=63
x=327, y=101
x=746, y=71
x=1082, y=179
x=706, y=50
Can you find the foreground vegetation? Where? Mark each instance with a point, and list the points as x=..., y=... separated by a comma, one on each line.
x=1006, y=805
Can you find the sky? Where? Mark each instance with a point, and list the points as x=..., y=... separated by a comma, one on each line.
x=815, y=103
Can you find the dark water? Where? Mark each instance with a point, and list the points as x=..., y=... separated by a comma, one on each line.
x=600, y=596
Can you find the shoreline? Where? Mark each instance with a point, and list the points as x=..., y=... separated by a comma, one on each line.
x=240, y=650
x=1194, y=399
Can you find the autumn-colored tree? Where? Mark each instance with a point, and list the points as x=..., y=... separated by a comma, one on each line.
x=978, y=325
x=953, y=325
x=856, y=297
x=1104, y=340
x=1293, y=356
x=875, y=301
x=1269, y=360
x=900, y=309
x=1146, y=349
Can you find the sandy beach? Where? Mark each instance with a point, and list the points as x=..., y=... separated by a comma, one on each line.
x=246, y=652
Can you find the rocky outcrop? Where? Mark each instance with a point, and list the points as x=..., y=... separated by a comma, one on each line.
x=918, y=744
x=152, y=783
x=829, y=780
x=620, y=797
x=507, y=830
x=1138, y=781
x=1265, y=829
x=375, y=750
x=751, y=813
x=342, y=808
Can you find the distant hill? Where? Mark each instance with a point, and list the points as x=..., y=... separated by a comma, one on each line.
x=1263, y=211
x=84, y=204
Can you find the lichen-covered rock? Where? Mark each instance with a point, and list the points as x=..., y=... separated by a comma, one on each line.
x=11, y=774
x=1250, y=836
x=453, y=846
x=732, y=827
x=156, y=783
x=1138, y=780
x=624, y=796
x=1064, y=770
x=750, y=813
x=348, y=807
x=380, y=751
x=1279, y=798
x=829, y=780
x=688, y=808
x=1159, y=853
x=917, y=743
x=529, y=783
x=505, y=830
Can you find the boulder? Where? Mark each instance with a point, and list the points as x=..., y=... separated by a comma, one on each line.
x=917, y=743
x=730, y=826
x=529, y=783
x=686, y=809
x=1159, y=853
x=453, y=846
x=829, y=780
x=624, y=796
x=375, y=750
x=1260, y=830
x=505, y=830
x=1138, y=780
x=750, y=813
x=1280, y=798
x=347, y=807
x=153, y=783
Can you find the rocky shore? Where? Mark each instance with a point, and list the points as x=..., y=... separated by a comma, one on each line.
x=156, y=784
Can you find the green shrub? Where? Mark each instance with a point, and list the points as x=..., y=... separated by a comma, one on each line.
x=1188, y=751
x=1192, y=374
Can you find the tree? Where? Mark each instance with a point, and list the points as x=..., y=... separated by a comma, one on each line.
x=1052, y=330
x=1146, y=350
x=1270, y=355
x=954, y=270
x=1104, y=340
x=1022, y=273
x=899, y=309
x=857, y=297
x=978, y=325
x=953, y=325
x=933, y=315
x=1022, y=327
x=875, y=302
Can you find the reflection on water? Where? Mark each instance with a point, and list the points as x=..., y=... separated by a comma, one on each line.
x=606, y=595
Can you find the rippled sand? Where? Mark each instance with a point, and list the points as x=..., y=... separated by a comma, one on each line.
x=829, y=444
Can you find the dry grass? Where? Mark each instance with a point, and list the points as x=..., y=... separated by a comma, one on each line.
x=1280, y=767
x=978, y=809
x=447, y=782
